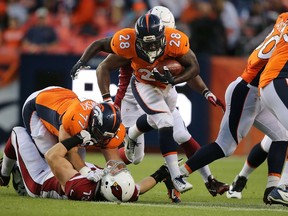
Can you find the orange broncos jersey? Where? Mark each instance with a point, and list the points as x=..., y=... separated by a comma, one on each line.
x=123, y=43
x=260, y=56
x=60, y=106
x=277, y=65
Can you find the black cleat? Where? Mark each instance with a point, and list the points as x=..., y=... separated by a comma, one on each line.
x=215, y=187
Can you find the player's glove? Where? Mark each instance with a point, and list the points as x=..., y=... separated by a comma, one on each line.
x=213, y=99
x=86, y=138
x=166, y=78
x=95, y=175
x=76, y=69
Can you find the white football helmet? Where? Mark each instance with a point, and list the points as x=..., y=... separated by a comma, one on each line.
x=165, y=15
x=117, y=184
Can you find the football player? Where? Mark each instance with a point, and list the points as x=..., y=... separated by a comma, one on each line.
x=244, y=109
x=56, y=114
x=256, y=157
x=130, y=111
x=143, y=58
x=55, y=177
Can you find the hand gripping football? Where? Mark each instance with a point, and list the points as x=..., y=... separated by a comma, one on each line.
x=173, y=65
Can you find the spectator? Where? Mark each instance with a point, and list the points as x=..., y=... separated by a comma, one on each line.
x=40, y=37
x=207, y=33
x=230, y=20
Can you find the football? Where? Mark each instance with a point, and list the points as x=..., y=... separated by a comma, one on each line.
x=173, y=65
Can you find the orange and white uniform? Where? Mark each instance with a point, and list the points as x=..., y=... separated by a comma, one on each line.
x=243, y=105
x=274, y=79
x=156, y=99
x=46, y=110
x=123, y=44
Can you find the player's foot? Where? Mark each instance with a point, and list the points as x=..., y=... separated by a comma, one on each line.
x=173, y=194
x=4, y=180
x=235, y=190
x=279, y=195
x=181, y=184
x=129, y=146
x=17, y=181
x=215, y=187
x=266, y=193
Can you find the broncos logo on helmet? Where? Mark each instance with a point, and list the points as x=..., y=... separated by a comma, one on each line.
x=104, y=122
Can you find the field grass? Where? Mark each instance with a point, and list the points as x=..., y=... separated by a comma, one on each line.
x=155, y=202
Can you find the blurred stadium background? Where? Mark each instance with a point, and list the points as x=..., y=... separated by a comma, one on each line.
x=40, y=41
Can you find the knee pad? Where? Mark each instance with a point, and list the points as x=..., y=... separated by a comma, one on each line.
x=266, y=143
x=161, y=120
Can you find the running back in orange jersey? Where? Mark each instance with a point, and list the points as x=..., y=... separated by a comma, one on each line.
x=123, y=44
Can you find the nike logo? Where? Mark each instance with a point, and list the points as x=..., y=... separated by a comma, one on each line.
x=284, y=195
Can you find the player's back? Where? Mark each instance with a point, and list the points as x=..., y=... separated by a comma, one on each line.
x=277, y=64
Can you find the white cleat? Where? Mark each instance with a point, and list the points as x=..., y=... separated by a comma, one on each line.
x=181, y=184
x=129, y=148
x=233, y=194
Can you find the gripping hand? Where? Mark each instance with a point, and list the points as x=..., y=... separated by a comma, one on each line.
x=87, y=139
x=76, y=69
x=214, y=100
x=165, y=78
x=95, y=175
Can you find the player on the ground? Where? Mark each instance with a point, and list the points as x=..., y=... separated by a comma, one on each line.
x=56, y=114
x=244, y=109
x=55, y=177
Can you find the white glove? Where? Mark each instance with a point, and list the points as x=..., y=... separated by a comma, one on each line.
x=95, y=175
x=87, y=139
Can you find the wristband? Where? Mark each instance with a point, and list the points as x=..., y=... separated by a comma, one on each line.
x=71, y=142
x=106, y=96
x=205, y=92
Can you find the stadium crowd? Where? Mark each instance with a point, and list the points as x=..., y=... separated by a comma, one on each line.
x=216, y=27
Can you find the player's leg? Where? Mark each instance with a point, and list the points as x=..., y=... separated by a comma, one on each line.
x=269, y=124
x=256, y=157
x=238, y=119
x=130, y=112
x=190, y=146
x=32, y=165
x=158, y=104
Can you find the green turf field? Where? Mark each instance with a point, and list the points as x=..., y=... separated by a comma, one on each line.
x=196, y=202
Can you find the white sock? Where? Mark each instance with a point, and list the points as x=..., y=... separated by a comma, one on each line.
x=7, y=165
x=246, y=170
x=272, y=181
x=133, y=132
x=172, y=164
x=205, y=172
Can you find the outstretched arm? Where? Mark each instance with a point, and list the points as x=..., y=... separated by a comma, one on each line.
x=92, y=50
